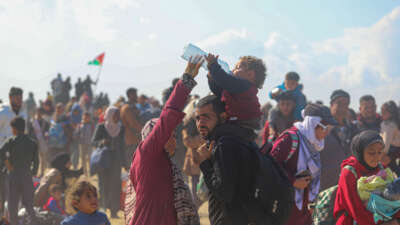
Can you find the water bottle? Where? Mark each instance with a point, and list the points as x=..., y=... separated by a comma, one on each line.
x=192, y=50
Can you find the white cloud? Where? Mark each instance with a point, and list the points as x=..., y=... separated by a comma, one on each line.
x=144, y=20
x=362, y=61
x=136, y=44
x=223, y=37
x=152, y=36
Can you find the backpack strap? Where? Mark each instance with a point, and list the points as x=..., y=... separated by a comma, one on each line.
x=352, y=170
x=295, y=144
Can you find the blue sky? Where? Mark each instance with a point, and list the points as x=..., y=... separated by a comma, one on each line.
x=354, y=45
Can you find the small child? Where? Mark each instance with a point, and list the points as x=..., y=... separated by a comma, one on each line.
x=55, y=203
x=85, y=132
x=84, y=200
x=291, y=83
x=239, y=92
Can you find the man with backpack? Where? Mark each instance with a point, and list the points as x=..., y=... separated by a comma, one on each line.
x=230, y=167
x=225, y=164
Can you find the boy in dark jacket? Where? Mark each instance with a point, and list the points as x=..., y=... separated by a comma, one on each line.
x=20, y=155
x=239, y=91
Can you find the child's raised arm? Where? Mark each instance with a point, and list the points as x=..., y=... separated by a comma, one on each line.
x=223, y=80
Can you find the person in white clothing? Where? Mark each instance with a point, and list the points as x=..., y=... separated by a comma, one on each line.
x=7, y=113
x=390, y=132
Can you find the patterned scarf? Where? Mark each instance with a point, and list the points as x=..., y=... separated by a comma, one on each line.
x=186, y=210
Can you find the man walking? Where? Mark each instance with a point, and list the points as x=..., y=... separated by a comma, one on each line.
x=337, y=143
x=227, y=164
x=20, y=155
x=7, y=113
x=129, y=118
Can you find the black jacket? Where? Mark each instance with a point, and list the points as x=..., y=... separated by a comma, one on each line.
x=22, y=153
x=228, y=175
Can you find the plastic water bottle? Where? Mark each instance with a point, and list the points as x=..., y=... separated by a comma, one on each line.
x=192, y=50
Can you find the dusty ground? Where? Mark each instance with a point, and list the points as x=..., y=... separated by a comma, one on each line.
x=203, y=216
x=203, y=211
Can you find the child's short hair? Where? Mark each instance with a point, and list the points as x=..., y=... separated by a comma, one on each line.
x=18, y=123
x=259, y=68
x=87, y=113
x=55, y=187
x=77, y=191
x=292, y=76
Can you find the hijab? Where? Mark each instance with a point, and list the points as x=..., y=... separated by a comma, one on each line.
x=309, y=157
x=78, y=117
x=186, y=211
x=361, y=141
x=59, y=162
x=307, y=129
x=111, y=126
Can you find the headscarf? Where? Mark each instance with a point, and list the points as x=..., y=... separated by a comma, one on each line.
x=59, y=162
x=309, y=157
x=186, y=211
x=361, y=141
x=307, y=129
x=76, y=118
x=111, y=126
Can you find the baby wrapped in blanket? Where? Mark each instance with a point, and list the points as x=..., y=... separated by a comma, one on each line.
x=381, y=194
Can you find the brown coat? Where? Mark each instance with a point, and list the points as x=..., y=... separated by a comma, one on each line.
x=192, y=143
x=42, y=194
x=132, y=126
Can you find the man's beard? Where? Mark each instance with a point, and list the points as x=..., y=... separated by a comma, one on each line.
x=15, y=107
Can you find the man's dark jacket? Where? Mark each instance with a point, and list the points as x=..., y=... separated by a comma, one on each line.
x=228, y=175
x=22, y=153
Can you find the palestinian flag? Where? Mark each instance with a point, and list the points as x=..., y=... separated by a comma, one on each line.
x=98, y=61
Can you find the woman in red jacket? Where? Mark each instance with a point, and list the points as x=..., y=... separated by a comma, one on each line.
x=367, y=149
x=157, y=194
x=297, y=150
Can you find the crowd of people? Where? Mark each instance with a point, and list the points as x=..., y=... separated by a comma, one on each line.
x=152, y=159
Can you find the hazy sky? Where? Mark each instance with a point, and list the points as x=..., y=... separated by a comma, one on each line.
x=353, y=45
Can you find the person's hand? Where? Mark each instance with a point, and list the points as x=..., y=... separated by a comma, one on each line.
x=209, y=76
x=80, y=172
x=210, y=58
x=205, y=152
x=302, y=182
x=392, y=222
x=385, y=160
x=194, y=65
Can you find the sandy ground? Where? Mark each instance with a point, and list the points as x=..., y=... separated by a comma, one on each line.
x=203, y=211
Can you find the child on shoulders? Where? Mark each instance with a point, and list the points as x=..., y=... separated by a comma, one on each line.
x=239, y=91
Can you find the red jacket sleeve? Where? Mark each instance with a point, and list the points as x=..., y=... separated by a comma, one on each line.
x=170, y=117
x=348, y=199
x=265, y=133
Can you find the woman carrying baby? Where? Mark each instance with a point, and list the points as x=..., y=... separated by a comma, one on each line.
x=368, y=149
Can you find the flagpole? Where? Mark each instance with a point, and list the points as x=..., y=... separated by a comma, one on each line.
x=97, y=79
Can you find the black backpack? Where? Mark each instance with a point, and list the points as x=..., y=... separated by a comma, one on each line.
x=272, y=195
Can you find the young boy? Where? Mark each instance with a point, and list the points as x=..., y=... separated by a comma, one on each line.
x=55, y=203
x=291, y=83
x=85, y=132
x=20, y=155
x=84, y=200
x=239, y=91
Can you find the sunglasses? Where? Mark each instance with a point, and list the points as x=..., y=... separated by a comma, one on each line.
x=322, y=126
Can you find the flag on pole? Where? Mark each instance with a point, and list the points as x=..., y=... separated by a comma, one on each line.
x=98, y=61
